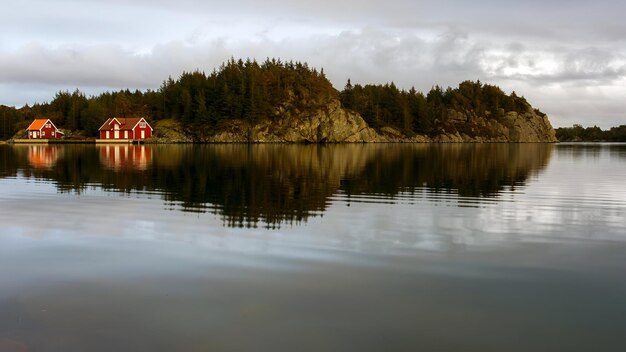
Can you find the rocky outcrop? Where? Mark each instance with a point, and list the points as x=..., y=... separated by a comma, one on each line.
x=528, y=127
x=331, y=123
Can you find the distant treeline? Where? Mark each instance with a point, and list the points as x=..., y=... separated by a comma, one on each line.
x=251, y=91
x=578, y=133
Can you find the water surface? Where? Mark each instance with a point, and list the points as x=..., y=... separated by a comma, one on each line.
x=309, y=248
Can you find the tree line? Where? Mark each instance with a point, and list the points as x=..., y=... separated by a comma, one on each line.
x=237, y=90
x=578, y=133
x=415, y=112
x=250, y=91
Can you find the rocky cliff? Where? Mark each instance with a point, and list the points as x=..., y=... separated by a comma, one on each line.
x=328, y=123
x=331, y=123
x=528, y=127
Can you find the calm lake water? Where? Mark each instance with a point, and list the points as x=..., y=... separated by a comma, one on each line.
x=313, y=248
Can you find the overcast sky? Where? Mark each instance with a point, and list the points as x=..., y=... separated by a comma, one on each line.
x=567, y=57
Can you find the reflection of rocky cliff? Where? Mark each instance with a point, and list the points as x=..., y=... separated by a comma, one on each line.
x=479, y=170
x=276, y=184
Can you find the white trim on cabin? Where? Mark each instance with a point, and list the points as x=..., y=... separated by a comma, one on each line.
x=144, y=120
x=118, y=121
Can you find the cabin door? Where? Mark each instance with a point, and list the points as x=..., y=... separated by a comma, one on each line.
x=116, y=134
x=108, y=135
x=143, y=134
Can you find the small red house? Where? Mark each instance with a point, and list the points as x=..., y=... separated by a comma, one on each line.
x=43, y=129
x=125, y=128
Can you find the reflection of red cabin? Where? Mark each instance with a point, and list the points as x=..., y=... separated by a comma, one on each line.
x=125, y=157
x=125, y=128
x=42, y=156
x=43, y=129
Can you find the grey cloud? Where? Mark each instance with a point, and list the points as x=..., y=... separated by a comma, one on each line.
x=580, y=65
x=515, y=19
x=376, y=53
x=81, y=65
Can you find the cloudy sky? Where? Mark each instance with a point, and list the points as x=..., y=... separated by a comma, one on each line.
x=567, y=57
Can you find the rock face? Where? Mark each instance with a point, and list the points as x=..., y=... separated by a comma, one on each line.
x=331, y=123
x=328, y=123
x=528, y=127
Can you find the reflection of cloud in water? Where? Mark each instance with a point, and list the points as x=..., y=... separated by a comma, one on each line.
x=107, y=258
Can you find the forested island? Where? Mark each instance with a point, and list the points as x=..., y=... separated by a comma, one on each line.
x=275, y=101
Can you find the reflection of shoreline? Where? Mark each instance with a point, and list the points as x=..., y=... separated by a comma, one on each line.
x=125, y=157
x=286, y=184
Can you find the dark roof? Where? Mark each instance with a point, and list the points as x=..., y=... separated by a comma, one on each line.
x=126, y=123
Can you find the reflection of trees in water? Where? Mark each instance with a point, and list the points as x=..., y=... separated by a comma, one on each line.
x=591, y=150
x=8, y=161
x=278, y=184
x=477, y=170
x=249, y=184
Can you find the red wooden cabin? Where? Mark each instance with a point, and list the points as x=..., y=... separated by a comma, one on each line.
x=43, y=129
x=125, y=128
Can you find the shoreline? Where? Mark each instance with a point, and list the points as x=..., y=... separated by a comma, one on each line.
x=156, y=142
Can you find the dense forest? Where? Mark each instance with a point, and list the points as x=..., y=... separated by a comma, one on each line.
x=249, y=91
x=578, y=133
x=238, y=90
x=413, y=112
